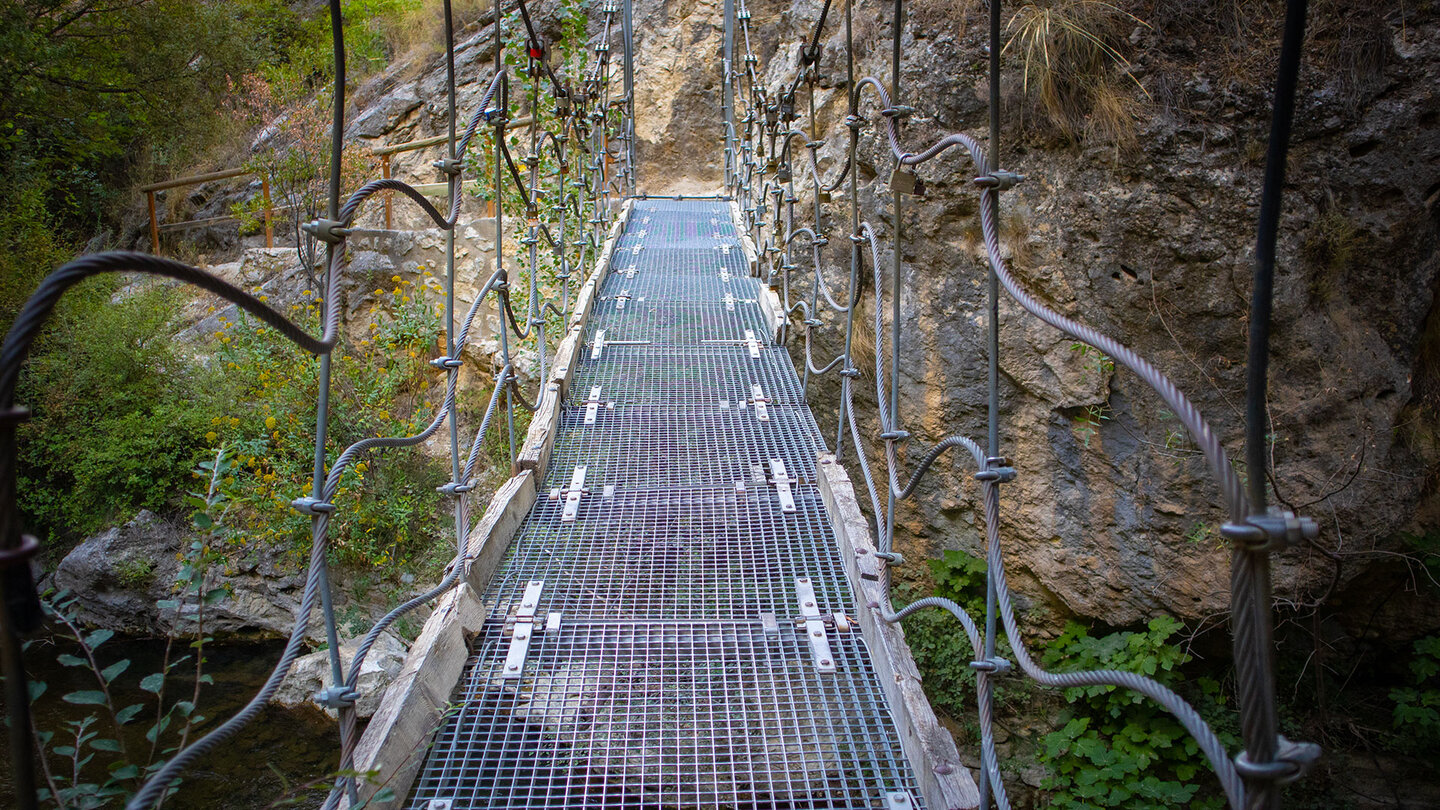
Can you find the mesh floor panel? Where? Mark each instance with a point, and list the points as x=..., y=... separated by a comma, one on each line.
x=708, y=261
x=629, y=715
x=637, y=447
x=690, y=322
x=704, y=375
x=678, y=287
x=676, y=677
x=684, y=554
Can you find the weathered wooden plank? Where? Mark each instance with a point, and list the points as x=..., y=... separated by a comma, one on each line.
x=540, y=439
x=945, y=783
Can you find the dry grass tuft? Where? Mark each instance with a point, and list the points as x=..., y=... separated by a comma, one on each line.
x=1069, y=58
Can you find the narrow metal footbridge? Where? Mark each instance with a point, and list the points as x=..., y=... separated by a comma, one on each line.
x=670, y=626
x=677, y=601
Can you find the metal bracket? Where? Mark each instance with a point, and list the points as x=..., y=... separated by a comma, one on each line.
x=524, y=629
x=814, y=625
x=552, y=623
x=592, y=405
x=621, y=299
x=750, y=343
x=725, y=276
x=629, y=272
x=572, y=495
x=729, y=302
x=782, y=482
x=598, y=344
x=757, y=396
x=898, y=801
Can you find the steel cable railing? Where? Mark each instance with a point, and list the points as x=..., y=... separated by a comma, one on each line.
x=581, y=115
x=760, y=174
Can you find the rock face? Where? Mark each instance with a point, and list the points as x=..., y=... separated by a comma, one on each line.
x=311, y=673
x=121, y=575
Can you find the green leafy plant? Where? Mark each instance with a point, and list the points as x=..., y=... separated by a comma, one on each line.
x=386, y=514
x=1416, y=715
x=1116, y=748
x=102, y=757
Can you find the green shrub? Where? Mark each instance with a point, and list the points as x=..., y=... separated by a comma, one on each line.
x=118, y=413
x=1416, y=715
x=386, y=505
x=1117, y=748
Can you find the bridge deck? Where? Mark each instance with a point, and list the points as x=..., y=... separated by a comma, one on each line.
x=679, y=675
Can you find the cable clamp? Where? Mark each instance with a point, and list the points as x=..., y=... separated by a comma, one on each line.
x=858, y=238
x=1000, y=180
x=890, y=557
x=449, y=166
x=454, y=488
x=899, y=112
x=1275, y=530
x=1292, y=761
x=851, y=372
x=329, y=231
x=995, y=665
x=855, y=121
x=447, y=362
x=998, y=469
x=743, y=14
x=336, y=697
x=312, y=506
x=895, y=435
x=814, y=144
x=821, y=241
x=493, y=115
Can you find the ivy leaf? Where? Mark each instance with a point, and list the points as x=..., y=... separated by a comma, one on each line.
x=67, y=660
x=126, y=771
x=37, y=688
x=153, y=683
x=85, y=698
x=215, y=595
x=98, y=637
x=107, y=745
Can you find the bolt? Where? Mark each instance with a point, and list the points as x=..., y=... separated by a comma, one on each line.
x=809, y=604
x=944, y=769
x=824, y=662
x=817, y=634
x=513, y=667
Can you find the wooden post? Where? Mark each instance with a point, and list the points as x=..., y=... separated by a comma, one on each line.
x=154, y=224
x=265, y=195
x=385, y=173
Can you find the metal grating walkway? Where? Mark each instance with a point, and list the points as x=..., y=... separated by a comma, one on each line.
x=681, y=674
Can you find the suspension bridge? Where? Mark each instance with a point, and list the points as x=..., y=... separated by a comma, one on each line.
x=677, y=600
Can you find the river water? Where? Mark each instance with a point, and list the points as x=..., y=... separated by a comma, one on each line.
x=275, y=758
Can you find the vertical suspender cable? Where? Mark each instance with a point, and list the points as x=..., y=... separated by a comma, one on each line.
x=628, y=24
x=727, y=101
x=322, y=406
x=992, y=340
x=1250, y=567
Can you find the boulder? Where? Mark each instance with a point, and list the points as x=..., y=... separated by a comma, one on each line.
x=120, y=577
x=311, y=673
